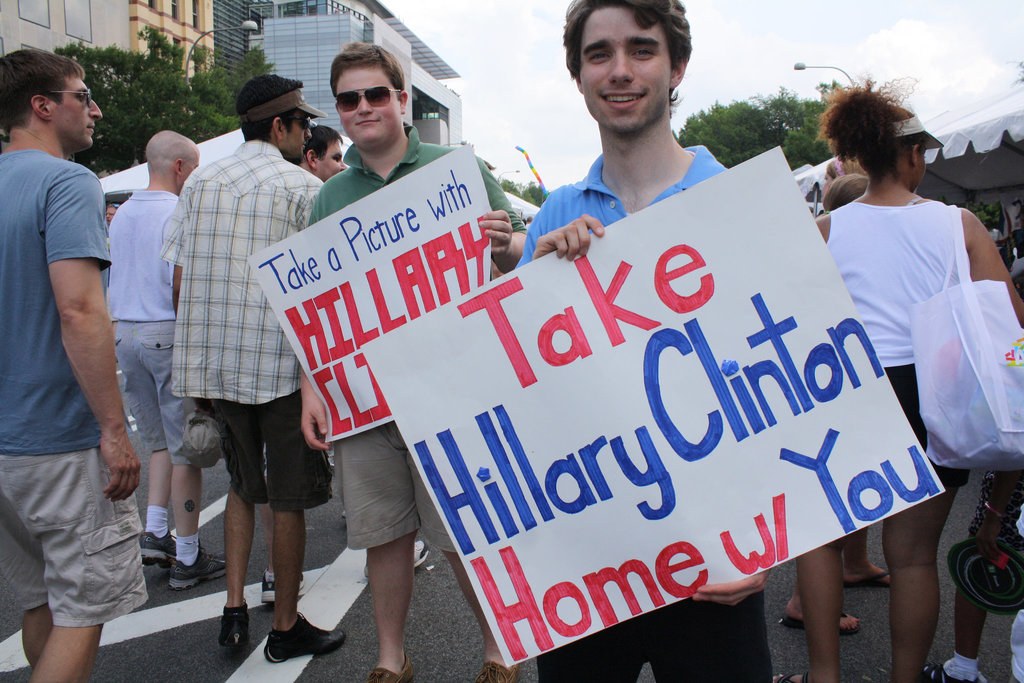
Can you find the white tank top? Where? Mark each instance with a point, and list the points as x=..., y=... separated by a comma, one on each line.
x=891, y=257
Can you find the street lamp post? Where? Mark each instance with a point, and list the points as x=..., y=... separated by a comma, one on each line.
x=247, y=25
x=504, y=173
x=800, y=66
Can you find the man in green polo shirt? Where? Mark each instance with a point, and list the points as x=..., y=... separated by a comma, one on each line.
x=385, y=499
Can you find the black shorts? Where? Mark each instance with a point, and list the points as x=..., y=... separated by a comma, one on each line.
x=297, y=477
x=684, y=641
x=903, y=379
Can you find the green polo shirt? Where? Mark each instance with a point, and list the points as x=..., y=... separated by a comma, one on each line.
x=356, y=182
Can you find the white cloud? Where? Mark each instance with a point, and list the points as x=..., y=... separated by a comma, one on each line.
x=516, y=91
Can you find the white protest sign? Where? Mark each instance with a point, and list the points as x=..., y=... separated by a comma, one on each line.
x=369, y=269
x=693, y=402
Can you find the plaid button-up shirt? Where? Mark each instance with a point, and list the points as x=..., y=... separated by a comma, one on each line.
x=227, y=342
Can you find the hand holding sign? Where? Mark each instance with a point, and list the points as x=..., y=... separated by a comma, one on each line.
x=571, y=241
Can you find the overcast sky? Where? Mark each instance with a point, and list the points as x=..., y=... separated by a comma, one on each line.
x=516, y=91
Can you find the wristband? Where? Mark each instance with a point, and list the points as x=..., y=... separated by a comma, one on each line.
x=997, y=513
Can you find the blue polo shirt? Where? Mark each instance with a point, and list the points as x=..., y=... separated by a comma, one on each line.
x=592, y=196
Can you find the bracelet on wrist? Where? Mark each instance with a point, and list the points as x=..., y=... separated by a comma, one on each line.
x=997, y=513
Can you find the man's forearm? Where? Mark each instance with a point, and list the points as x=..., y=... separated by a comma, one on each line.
x=88, y=338
x=89, y=343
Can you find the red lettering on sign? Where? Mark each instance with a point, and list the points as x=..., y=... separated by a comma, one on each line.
x=604, y=301
x=556, y=594
x=308, y=331
x=756, y=561
x=475, y=248
x=442, y=255
x=566, y=322
x=325, y=302
x=490, y=301
x=387, y=323
x=507, y=615
x=665, y=569
x=412, y=276
x=359, y=335
x=596, y=582
x=381, y=410
x=338, y=425
x=359, y=417
x=663, y=278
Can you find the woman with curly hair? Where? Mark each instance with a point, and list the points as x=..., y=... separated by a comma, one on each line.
x=893, y=249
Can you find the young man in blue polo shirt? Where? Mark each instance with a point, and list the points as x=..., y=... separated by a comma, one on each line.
x=627, y=58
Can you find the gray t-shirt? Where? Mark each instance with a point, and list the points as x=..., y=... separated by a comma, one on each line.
x=52, y=210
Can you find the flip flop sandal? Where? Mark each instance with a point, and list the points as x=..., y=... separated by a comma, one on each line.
x=793, y=622
x=870, y=582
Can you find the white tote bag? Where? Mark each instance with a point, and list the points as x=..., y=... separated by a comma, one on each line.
x=967, y=353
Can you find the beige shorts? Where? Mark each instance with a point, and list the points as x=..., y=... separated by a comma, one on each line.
x=385, y=497
x=63, y=544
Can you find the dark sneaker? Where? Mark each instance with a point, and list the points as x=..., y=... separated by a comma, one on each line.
x=234, y=626
x=937, y=673
x=302, y=639
x=205, y=567
x=158, y=549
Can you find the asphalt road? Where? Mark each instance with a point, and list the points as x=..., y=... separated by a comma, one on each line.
x=173, y=637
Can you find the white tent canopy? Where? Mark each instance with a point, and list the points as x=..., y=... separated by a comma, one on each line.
x=525, y=208
x=982, y=158
x=137, y=177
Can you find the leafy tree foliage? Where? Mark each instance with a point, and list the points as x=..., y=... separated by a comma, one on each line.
x=531, y=192
x=741, y=130
x=142, y=93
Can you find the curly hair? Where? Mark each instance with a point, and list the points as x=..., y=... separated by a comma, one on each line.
x=859, y=124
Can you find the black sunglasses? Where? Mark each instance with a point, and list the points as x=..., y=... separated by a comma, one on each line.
x=83, y=96
x=377, y=96
x=304, y=121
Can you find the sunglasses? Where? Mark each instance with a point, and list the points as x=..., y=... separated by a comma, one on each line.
x=377, y=96
x=304, y=121
x=84, y=96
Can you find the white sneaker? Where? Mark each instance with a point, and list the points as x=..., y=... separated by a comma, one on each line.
x=419, y=556
x=419, y=553
x=268, y=592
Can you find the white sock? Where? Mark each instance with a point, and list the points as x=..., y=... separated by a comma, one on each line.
x=268, y=575
x=962, y=667
x=188, y=549
x=156, y=520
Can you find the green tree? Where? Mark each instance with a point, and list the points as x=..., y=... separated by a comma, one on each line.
x=142, y=93
x=531, y=192
x=741, y=130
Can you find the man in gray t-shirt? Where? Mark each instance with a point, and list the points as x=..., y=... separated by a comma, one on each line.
x=69, y=525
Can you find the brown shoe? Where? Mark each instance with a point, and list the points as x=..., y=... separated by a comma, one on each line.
x=382, y=675
x=492, y=672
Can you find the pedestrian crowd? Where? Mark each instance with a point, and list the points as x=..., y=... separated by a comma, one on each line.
x=192, y=333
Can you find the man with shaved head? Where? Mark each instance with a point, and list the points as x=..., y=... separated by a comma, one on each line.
x=141, y=286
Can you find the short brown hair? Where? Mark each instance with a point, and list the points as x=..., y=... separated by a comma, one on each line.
x=844, y=190
x=29, y=72
x=367, y=56
x=670, y=14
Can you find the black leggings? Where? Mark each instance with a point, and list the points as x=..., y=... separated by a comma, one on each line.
x=903, y=379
